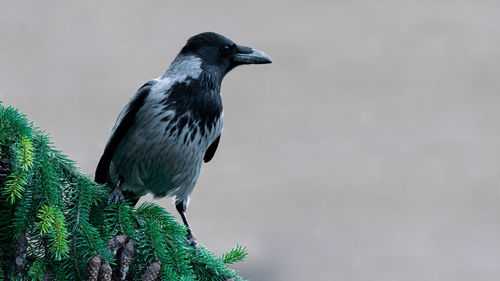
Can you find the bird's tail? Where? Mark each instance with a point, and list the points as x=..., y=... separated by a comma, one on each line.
x=101, y=173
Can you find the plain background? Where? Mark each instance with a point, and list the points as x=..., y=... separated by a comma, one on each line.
x=369, y=149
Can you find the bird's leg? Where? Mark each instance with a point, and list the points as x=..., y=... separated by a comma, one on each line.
x=181, y=208
x=117, y=194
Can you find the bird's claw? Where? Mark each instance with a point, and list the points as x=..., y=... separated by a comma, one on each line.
x=116, y=196
x=191, y=241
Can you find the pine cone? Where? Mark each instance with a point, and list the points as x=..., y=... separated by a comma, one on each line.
x=93, y=267
x=21, y=248
x=117, y=242
x=152, y=272
x=124, y=259
x=105, y=272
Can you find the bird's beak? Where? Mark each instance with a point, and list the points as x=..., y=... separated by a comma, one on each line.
x=247, y=55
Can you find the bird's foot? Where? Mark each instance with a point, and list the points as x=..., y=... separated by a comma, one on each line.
x=191, y=241
x=116, y=196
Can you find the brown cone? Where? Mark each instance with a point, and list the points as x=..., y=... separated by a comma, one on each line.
x=116, y=242
x=93, y=267
x=105, y=272
x=124, y=260
x=152, y=272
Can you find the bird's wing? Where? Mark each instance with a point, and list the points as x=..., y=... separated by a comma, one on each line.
x=209, y=154
x=123, y=123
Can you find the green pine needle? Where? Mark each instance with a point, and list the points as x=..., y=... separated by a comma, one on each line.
x=53, y=224
x=37, y=270
x=26, y=153
x=59, y=236
x=235, y=255
x=46, y=216
x=14, y=186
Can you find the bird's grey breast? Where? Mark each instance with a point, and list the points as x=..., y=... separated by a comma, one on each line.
x=164, y=149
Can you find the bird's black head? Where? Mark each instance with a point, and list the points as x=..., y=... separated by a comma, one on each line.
x=219, y=52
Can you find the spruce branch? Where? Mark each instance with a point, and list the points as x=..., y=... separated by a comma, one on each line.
x=26, y=150
x=59, y=236
x=235, y=255
x=14, y=186
x=37, y=270
x=55, y=223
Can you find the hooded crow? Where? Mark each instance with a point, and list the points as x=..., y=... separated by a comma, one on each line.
x=173, y=124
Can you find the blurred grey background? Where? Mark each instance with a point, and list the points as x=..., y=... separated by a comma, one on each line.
x=369, y=149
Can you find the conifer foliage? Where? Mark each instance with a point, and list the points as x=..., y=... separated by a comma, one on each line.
x=56, y=224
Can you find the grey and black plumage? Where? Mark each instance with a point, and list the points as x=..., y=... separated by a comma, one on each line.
x=172, y=124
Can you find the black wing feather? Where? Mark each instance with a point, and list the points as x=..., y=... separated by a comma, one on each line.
x=209, y=154
x=101, y=174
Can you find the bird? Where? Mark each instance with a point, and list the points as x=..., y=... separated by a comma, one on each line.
x=172, y=125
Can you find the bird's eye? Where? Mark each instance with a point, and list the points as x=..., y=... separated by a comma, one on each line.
x=226, y=49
